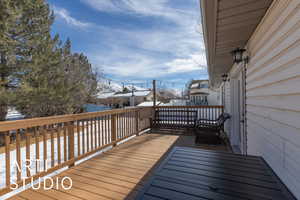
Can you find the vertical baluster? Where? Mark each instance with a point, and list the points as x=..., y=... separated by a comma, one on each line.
x=106, y=129
x=131, y=124
x=99, y=132
x=59, y=144
x=65, y=142
x=137, y=125
x=102, y=130
x=18, y=152
x=117, y=126
x=83, y=136
x=126, y=122
x=78, y=138
x=206, y=113
x=7, y=158
x=71, y=143
x=87, y=136
x=114, y=129
x=45, y=147
x=95, y=133
x=52, y=145
x=110, y=129
x=92, y=133
x=121, y=125
x=37, y=148
x=169, y=116
x=27, y=134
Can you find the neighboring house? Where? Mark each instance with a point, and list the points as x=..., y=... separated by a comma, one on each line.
x=131, y=98
x=120, y=100
x=176, y=102
x=104, y=98
x=148, y=103
x=199, y=93
x=262, y=92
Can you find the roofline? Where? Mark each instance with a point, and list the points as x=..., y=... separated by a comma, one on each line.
x=209, y=39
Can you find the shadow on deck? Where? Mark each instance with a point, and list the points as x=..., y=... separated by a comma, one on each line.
x=121, y=172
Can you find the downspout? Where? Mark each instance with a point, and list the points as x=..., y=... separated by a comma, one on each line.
x=244, y=77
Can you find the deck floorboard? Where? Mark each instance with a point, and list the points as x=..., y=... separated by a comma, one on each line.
x=189, y=173
x=117, y=174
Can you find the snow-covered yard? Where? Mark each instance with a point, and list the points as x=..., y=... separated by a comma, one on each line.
x=34, y=167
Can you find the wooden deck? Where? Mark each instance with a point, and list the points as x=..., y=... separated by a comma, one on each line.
x=117, y=174
x=194, y=174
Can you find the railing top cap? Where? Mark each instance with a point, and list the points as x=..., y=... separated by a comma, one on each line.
x=41, y=121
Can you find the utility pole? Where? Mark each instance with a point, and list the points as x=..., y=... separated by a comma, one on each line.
x=132, y=96
x=154, y=93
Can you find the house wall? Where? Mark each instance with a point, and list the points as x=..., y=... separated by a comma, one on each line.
x=273, y=92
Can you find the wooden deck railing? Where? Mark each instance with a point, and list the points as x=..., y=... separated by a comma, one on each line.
x=51, y=143
x=184, y=116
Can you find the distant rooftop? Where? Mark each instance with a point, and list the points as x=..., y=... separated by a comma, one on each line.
x=149, y=103
x=129, y=94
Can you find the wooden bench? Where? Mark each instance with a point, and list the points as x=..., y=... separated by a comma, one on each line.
x=175, y=118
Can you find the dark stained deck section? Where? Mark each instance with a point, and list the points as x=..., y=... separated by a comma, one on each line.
x=188, y=173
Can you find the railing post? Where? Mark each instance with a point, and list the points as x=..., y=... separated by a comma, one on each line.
x=137, y=130
x=153, y=118
x=7, y=158
x=71, y=143
x=114, y=129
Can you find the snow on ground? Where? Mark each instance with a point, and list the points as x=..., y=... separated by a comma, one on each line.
x=148, y=103
x=137, y=94
x=13, y=114
x=41, y=152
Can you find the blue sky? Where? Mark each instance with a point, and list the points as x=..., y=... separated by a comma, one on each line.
x=136, y=40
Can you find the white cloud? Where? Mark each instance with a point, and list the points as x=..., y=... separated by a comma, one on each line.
x=157, y=8
x=66, y=16
x=168, y=49
x=193, y=63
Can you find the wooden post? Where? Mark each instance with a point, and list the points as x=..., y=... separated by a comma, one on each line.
x=137, y=122
x=154, y=93
x=71, y=142
x=153, y=119
x=114, y=129
x=7, y=158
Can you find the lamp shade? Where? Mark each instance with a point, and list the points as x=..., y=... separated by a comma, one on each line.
x=224, y=77
x=237, y=55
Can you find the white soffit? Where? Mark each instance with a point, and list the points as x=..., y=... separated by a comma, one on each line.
x=228, y=24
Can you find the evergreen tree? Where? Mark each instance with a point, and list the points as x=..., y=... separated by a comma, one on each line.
x=37, y=75
x=81, y=81
x=24, y=24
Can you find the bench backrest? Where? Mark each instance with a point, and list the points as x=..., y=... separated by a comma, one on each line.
x=222, y=118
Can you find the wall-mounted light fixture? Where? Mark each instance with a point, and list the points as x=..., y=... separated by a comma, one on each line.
x=224, y=77
x=238, y=55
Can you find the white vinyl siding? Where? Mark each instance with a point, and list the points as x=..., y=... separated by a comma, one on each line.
x=273, y=92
